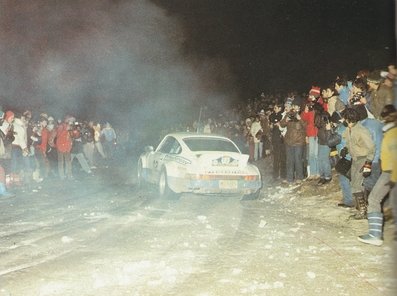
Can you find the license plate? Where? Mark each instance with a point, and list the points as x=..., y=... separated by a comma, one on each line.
x=228, y=184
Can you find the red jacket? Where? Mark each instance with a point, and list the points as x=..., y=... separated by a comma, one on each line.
x=63, y=140
x=44, y=141
x=311, y=129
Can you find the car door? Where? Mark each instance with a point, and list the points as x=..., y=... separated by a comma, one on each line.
x=160, y=156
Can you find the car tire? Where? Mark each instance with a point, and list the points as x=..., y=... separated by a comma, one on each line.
x=251, y=196
x=164, y=190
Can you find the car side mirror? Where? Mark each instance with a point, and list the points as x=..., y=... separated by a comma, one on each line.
x=149, y=149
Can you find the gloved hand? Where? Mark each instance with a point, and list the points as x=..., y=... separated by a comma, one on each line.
x=366, y=169
x=344, y=152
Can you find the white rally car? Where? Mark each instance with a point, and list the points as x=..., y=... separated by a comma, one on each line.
x=198, y=163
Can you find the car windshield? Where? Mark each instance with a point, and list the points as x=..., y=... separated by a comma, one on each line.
x=210, y=144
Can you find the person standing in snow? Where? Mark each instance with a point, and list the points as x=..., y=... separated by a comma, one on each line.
x=295, y=141
x=6, y=131
x=109, y=138
x=20, y=162
x=308, y=116
x=64, y=146
x=279, y=170
x=386, y=182
x=361, y=148
x=256, y=132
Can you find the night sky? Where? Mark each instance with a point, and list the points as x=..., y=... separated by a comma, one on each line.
x=146, y=60
x=281, y=44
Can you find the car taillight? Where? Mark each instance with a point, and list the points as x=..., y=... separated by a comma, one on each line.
x=250, y=178
x=200, y=177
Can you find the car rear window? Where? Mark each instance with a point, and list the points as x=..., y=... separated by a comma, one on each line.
x=210, y=144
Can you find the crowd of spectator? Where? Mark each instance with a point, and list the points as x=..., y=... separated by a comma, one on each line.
x=347, y=124
x=35, y=148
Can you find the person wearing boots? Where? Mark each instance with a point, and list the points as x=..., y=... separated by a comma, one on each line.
x=386, y=182
x=362, y=151
x=375, y=129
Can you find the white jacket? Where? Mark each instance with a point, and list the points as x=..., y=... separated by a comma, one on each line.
x=21, y=137
x=255, y=127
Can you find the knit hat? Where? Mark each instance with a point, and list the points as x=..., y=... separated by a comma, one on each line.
x=315, y=91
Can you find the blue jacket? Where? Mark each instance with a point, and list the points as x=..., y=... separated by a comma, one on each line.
x=375, y=128
x=344, y=93
x=340, y=129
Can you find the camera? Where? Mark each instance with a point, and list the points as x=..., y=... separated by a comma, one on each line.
x=325, y=118
x=355, y=100
x=274, y=118
x=292, y=115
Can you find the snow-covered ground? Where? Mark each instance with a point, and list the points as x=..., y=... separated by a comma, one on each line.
x=102, y=236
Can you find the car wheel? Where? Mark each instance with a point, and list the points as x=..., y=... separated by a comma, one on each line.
x=251, y=196
x=163, y=189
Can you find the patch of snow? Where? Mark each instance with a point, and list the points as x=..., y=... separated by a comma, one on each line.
x=311, y=274
x=236, y=271
x=262, y=224
x=278, y=285
x=66, y=239
x=202, y=219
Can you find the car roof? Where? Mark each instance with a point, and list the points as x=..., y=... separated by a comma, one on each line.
x=181, y=135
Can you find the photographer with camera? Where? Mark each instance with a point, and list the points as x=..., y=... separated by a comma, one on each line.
x=360, y=95
x=295, y=141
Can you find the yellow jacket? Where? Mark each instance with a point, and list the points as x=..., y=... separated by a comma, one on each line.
x=388, y=151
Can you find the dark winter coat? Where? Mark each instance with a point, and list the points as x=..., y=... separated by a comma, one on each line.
x=320, y=121
x=296, y=131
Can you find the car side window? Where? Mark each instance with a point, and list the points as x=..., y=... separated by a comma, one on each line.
x=168, y=145
x=176, y=148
